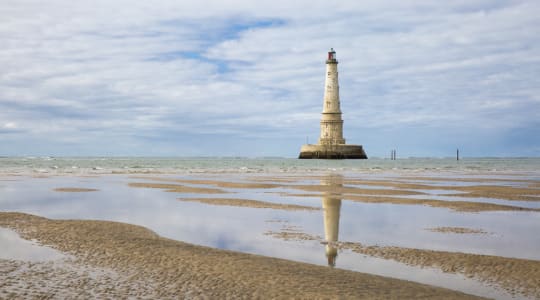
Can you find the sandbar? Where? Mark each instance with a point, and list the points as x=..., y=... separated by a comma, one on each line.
x=505, y=192
x=338, y=189
x=222, y=184
x=458, y=230
x=249, y=203
x=390, y=187
x=173, y=269
x=460, y=206
x=519, y=277
x=177, y=188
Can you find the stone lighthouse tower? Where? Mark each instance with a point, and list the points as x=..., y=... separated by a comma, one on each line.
x=331, y=122
x=331, y=142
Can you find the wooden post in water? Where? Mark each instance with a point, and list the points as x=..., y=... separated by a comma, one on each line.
x=393, y=154
x=457, y=154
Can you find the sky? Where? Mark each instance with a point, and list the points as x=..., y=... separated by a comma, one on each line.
x=246, y=78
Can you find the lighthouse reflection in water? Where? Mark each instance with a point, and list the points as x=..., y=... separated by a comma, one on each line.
x=331, y=203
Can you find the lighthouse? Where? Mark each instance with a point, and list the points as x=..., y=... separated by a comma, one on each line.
x=331, y=144
x=331, y=122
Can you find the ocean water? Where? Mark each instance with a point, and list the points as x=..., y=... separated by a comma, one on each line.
x=179, y=165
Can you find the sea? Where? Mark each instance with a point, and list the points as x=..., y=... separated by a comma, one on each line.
x=187, y=165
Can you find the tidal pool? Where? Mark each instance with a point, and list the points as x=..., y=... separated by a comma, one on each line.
x=16, y=248
x=245, y=229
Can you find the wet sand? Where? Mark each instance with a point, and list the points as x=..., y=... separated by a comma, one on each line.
x=66, y=279
x=222, y=184
x=528, y=191
x=500, y=192
x=459, y=206
x=177, y=188
x=354, y=190
x=519, y=277
x=458, y=230
x=249, y=203
x=475, y=179
x=348, y=193
x=504, y=192
x=132, y=261
x=74, y=190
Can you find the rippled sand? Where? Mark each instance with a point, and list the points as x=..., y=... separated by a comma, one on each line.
x=520, y=277
x=462, y=206
x=505, y=192
x=458, y=230
x=132, y=261
x=177, y=188
x=249, y=203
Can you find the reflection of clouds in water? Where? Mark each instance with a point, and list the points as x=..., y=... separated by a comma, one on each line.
x=403, y=226
x=17, y=248
x=525, y=204
x=426, y=275
x=242, y=229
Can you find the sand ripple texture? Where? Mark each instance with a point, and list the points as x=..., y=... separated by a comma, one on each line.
x=122, y=260
x=249, y=203
x=519, y=277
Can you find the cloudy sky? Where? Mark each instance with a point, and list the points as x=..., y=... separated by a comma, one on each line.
x=246, y=78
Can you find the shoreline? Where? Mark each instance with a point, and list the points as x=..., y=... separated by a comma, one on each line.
x=519, y=277
x=424, y=228
x=173, y=268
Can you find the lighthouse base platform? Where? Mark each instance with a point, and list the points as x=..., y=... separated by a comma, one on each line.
x=340, y=151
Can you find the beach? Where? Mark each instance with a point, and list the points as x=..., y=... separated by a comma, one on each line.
x=243, y=233
x=142, y=264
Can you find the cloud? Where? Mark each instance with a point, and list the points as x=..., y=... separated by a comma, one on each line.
x=10, y=128
x=88, y=73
